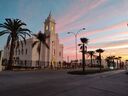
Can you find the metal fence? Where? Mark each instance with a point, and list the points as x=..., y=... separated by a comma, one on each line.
x=29, y=64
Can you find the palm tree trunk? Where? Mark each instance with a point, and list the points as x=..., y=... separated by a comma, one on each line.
x=39, y=57
x=10, y=62
x=100, y=60
x=83, y=56
x=120, y=63
x=39, y=61
x=91, y=60
x=117, y=64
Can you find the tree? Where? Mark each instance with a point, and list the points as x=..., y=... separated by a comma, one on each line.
x=117, y=62
x=100, y=51
x=120, y=61
x=91, y=53
x=84, y=41
x=110, y=61
x=113, y=58
x=16, y=33
x=41, y=39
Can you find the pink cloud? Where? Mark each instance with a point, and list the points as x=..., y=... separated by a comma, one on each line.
x=110, y=28
x=100, y=17
x=75, y=13
x=70, y=50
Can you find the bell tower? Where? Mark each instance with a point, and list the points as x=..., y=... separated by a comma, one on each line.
x=49, y=30
x=49, y=25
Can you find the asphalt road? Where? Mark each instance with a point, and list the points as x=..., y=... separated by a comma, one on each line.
x=59, y=83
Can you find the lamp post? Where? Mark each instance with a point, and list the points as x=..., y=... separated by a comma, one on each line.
x=75, y=34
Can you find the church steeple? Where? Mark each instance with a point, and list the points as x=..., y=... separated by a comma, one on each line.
x=49, y=24
x=50, y=18
x=50, y=15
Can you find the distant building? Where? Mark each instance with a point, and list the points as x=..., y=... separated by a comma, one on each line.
x=28, y=56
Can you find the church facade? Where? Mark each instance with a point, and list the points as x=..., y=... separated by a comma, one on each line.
x=29, y=56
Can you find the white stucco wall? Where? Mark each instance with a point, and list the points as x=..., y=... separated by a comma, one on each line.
x=46, y=55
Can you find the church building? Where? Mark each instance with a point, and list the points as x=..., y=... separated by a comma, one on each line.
x=29, y=56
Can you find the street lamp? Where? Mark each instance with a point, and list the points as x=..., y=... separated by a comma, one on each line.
x=75, y=34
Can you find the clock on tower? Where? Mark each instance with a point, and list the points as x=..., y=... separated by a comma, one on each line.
x=49, y=24
x=46, y=27
x=52, y=28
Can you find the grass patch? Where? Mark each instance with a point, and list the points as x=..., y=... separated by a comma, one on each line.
x=86, y=72
x=127, y=73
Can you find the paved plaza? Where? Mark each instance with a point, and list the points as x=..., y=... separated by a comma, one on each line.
x=59, y=83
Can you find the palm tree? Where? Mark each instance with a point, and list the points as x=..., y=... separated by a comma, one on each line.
x=91, y=53
x=113, y=63
x=16, y=33
x=84, y=41
x=41, y=39
x=100, y=51
x=108, y=60
x=120, y=61
x=113, y=58
x=117, y=62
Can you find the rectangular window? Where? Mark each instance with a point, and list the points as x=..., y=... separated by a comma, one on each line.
x=16, y=51
x=26, y=51
x=19, y=51
x=22, y=51
x=59, y=53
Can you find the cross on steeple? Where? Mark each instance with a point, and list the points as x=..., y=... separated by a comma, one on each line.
x=50, y=15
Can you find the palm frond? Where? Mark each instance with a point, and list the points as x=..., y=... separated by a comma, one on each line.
x=100, y=50
x=4, y=26
x=22, y=44
x=35, y=35
x=20, y=37
x=39, y=47
x=23, y=38
x=45, y=44
x=17, y=44
x=9, y=21
x=4, y=32
x=8, y=26
x=34, y=43
x=25, y=33
x=24, y=29
x=8, y=40
x=1, y=25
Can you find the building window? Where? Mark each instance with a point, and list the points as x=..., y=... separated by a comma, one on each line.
x=59, y=53
x=26, y=51
x=22, y=51
x=54, y=51
x=16, y=51
x=19, y=51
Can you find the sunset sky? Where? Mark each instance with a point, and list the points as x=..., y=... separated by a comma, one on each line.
x=105, y=22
